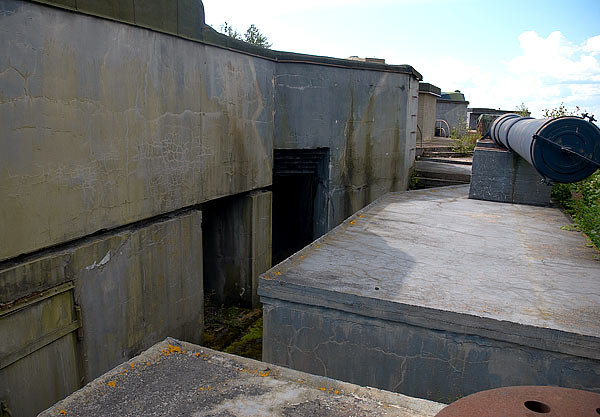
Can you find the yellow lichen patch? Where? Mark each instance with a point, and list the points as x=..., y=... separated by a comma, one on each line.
x=171, y=349
x=264, y=373
x=336, y=391
x=352, y=222
x=111, y=384
x=323, y=389
x=208, y=388
x=277, y=272
x=63, y=412
x=317, y=246
x=132, y=364
x=361, y=216
x=147, y=363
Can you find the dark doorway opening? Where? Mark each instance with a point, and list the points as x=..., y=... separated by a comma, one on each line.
x=300, y=199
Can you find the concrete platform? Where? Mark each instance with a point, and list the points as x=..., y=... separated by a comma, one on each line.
x=437, y=296
x=174, y=378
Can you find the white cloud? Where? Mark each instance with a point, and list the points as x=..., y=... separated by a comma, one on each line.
x=547, y=72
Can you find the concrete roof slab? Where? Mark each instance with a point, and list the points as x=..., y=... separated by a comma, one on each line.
x=178, y=378
x=437, y=259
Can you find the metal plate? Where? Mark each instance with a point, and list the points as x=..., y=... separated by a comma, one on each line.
x=526, y=401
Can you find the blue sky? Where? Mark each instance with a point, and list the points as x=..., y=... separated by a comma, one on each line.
x=500, y=54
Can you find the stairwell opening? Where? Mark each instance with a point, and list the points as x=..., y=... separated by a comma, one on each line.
x=300, y=199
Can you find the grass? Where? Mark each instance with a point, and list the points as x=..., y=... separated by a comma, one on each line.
x=582, y=201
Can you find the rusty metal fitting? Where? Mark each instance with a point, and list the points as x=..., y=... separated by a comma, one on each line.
x=526, y=401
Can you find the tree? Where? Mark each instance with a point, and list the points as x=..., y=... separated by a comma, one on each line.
x=252, y=35
x=522, y=110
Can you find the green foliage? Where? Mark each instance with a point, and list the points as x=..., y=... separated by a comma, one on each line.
x=582, y=201
x=561, y=110
x=464, y=140
x=522, y=110
x=252, y=35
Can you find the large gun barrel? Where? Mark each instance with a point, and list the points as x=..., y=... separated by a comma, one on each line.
x=565, y=149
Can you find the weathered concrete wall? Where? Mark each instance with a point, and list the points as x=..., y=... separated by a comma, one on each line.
x=104, y=124
x=426, y=363
x=134, y=287
x=426, y=116
x=453, y=112
x=237, y=246
x=366, y=118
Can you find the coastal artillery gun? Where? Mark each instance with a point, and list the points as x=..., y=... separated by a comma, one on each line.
x=564, y=149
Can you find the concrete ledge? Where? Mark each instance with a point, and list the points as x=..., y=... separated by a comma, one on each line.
x=177, y=378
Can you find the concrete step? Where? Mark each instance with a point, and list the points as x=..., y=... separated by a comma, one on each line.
x=460, y=173
x=429, y=149
x=462, y=160
x=423, y=182
x=445, y=154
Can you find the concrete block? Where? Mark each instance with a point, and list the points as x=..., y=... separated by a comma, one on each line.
x=237, y=239
x=500, y=175
x=439, y=296
x=177, y=378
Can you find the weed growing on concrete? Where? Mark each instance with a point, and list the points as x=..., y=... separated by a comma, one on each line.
x=582, y=201
x=464, y=139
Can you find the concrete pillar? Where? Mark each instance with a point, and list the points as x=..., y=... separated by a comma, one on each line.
x=237, y=236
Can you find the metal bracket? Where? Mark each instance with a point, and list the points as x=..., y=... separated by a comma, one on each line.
x=78, y=318
x=566, y=149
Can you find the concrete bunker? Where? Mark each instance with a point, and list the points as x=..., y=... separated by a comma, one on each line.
x=300, y=199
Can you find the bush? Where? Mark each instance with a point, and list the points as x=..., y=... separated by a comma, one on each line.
x=582, y=201
x=464, y=140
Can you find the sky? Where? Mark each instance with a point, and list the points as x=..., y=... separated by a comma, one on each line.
x=499, y=54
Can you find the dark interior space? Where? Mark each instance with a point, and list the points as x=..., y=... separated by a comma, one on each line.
x=300, y=195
